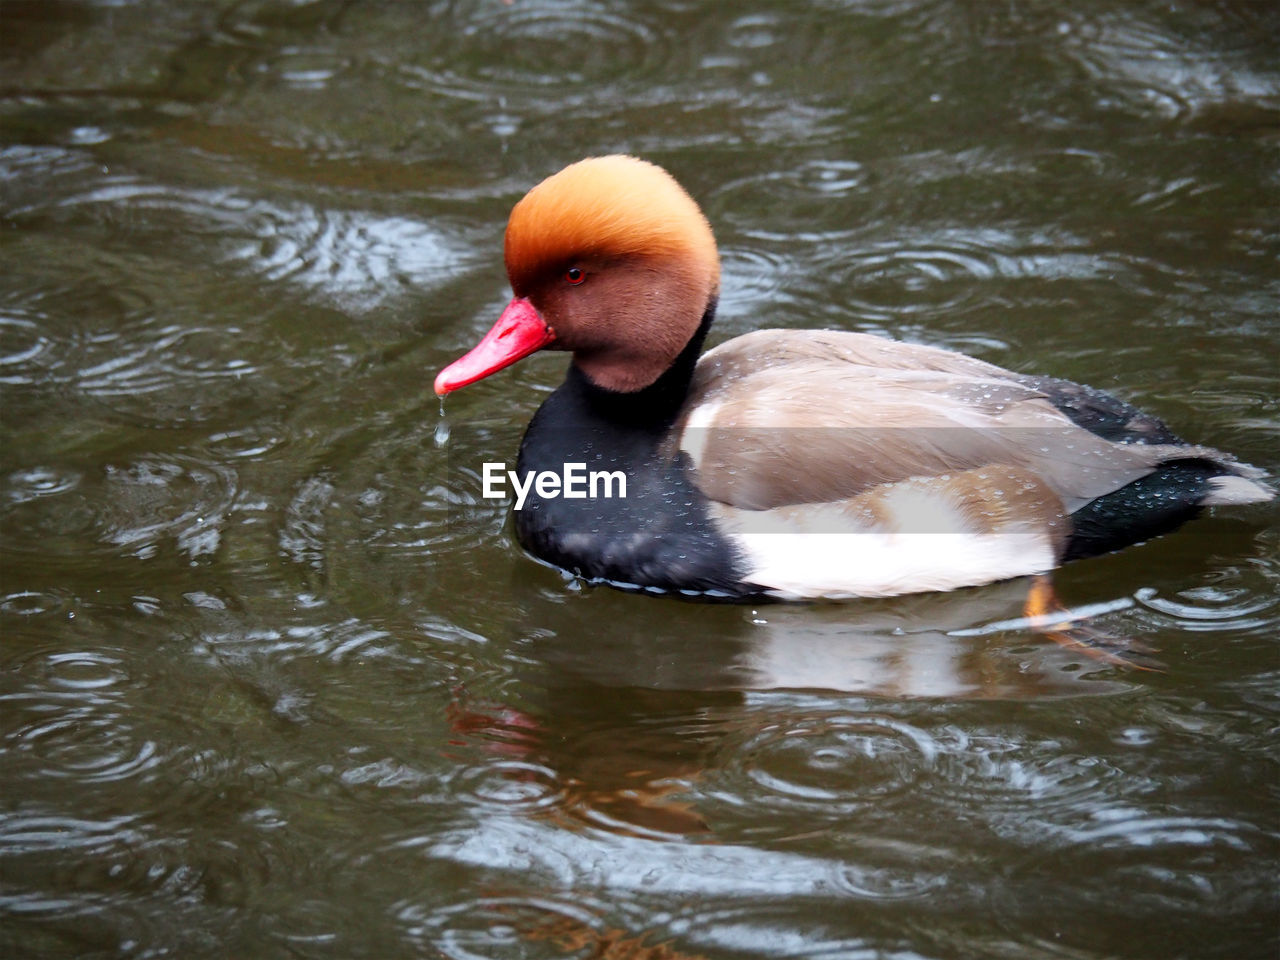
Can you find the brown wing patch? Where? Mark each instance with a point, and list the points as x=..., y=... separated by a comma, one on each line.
x=990, y=500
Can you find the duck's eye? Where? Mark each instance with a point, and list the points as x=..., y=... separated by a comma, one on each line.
x=575, y=275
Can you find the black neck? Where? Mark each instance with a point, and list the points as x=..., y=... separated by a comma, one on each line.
x=657, y=404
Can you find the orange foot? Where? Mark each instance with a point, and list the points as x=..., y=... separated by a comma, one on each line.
x=1048, y=616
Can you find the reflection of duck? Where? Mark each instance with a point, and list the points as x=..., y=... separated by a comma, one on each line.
x=571, y=936
x=954, y=646
x=631, y=787
x=797, y=463
x=968, y=644
x=616, y=734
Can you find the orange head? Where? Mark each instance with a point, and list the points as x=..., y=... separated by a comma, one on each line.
x=609, y=258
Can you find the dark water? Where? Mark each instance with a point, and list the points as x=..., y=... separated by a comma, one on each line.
x=275, y=682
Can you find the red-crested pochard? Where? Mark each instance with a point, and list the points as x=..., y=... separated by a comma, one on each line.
x=797, y=464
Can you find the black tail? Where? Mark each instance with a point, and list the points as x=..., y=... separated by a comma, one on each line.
x=1150, y=506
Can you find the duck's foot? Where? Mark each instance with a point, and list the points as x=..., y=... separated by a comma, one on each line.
x=1050, y=617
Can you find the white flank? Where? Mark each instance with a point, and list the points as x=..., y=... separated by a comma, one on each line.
x=908, y=537
x=812, y=565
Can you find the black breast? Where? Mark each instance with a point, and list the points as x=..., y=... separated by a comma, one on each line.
x=659, y=535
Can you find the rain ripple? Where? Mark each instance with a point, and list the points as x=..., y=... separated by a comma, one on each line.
x=163, y=359
x=351, y=256
x=71, y=670
x=937, y=275
x=1203, y=864
x=1022, y=787
x=807, y=193
x=752, y=274
x=827, y=766
x=824, y=768
x=137, y=506
x=523, y=47
x=492, y=927
x=1132, y=828
x=159, y=497
x=24, y=348
x=1215, y=608
x=725, y=885
x=88, y=749
x=1141, y=67
x=34, y=482
x=768, y=928
x=33, y=603
x=38, y=832
x=510, y=786
x=65, y=719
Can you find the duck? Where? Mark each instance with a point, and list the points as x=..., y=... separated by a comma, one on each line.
x=797, y=464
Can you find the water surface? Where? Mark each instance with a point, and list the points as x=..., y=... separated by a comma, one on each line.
x=275, y=681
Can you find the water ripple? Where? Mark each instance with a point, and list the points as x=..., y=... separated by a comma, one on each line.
x=34, y=832
x=888, y=870
x=136, y=506
x=77, y=670
x=444, y=511
x=161, y=359
x=803, y=195
x=19, y=162
x=354, y=257
x=357, y=257
x=150, y=372
x=515, y=786
x=1216, y=608
x=154, y=498
x=302, y=536
x=1176, y=867
x=566, y=45
x=830, y=766
x=492, y=927
x=766, y=928
x=1142, y=67
x=1020, y=786
x=1121, y=828
x=33, y=482
x=502, y=64
x=249, y=443
x=934, y=276
x=32, y=603
x=24, y=348
x=753, y=275
x=88, y=749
